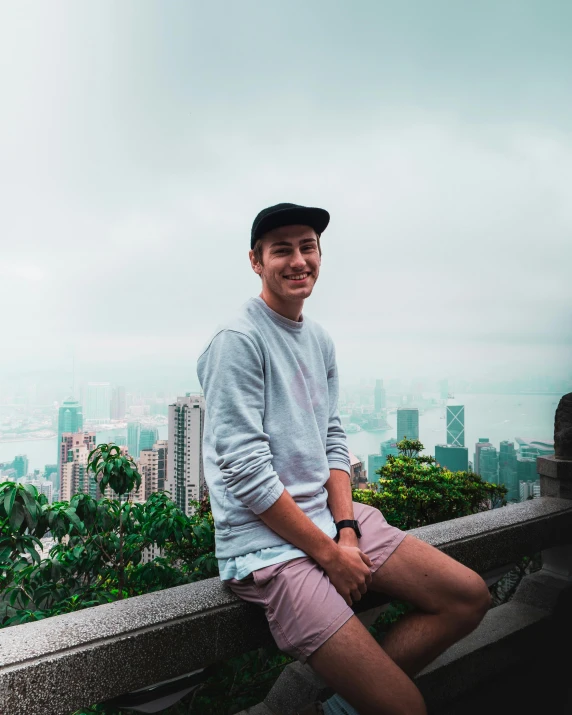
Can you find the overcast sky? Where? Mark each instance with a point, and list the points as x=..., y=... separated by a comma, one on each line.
x=139, y=139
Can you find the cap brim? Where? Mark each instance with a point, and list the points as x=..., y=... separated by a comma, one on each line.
x=318, y=219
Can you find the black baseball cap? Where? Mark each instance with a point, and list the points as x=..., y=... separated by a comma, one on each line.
x=288, y=215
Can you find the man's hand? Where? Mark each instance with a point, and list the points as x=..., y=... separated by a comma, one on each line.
x=348, y=570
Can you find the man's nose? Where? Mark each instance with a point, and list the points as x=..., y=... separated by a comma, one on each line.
x=297, y=259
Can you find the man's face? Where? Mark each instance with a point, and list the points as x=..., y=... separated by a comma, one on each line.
x=290, y=262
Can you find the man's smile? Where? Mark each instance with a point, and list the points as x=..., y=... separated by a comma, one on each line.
x=297, y=277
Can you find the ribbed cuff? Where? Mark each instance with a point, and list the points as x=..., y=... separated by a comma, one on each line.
x=344, y=466
x=269, y=497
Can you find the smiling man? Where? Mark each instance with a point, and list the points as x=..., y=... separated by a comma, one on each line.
x=288, y=536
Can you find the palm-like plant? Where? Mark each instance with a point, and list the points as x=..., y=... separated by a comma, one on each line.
x=118, y=471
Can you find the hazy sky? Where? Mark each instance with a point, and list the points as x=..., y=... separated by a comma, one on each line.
x=139, y=139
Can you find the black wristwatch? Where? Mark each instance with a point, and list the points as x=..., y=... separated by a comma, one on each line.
x=348, y=523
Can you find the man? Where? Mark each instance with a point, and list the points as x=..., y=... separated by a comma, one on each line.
x=288, y=535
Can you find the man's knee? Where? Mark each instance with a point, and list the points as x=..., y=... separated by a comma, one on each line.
x=472, y=603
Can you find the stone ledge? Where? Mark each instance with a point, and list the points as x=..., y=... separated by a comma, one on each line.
x=554, y=467
x=509, y=633
x=128, y=645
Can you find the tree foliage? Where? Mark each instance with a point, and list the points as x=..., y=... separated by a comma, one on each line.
x=414, y=491
x=99, y=544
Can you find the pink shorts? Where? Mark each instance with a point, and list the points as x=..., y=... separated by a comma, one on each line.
x=302, y=607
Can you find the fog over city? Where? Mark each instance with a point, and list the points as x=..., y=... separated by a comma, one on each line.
x=140, y=139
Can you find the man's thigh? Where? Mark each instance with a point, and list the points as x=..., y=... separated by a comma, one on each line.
x=427, y=578
x=302, y=607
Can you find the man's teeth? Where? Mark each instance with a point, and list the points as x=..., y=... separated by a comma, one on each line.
x=298, y=277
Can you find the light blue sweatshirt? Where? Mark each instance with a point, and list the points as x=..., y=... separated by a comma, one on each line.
x=271, y=423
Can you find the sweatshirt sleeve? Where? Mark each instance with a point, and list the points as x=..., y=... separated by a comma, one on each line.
x=336, y=441
x=231, y=373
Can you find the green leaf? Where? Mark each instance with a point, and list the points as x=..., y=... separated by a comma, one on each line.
x=17, y=516
x=9, y=500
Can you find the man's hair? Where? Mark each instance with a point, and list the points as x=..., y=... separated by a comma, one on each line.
x=257, y=250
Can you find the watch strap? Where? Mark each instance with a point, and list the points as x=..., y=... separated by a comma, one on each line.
x=348, y=523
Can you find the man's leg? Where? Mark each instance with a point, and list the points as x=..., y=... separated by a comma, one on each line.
x=357, y=668
x=450, y=598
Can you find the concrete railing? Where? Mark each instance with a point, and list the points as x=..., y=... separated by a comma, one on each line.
x=58, y=665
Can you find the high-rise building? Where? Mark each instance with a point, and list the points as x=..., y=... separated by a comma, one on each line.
x=70, y=419
x=153, y=467
x=44, y=487
x=526, y=469
x=455, y=459
x=489, y=464
x=118, y=403
x=147, y=438
x=97, y=402
x=507, y=470
x=407, y=423
x=534, y=447
x=481, y=444
x=379, y=397
x=528, y=490
x=358, y=477
x=456, y=425
x=185, y=476
x=374, y=462
x=387, y=447
x=20, y=464
x=74, y=477
x=133, y=436
x=50, y=469
x=377, y=461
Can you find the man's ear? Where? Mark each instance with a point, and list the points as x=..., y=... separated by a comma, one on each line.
x=256, y=267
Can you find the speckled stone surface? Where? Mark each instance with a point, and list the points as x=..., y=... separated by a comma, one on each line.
x=512, y=633
x=555, y=477
x=493, y=538
x=55, y=666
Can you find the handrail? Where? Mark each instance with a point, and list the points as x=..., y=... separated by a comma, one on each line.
x=55, y=666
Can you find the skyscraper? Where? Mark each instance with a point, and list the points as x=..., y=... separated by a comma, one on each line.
x=456, y=425
x=20, y=464
x=374, y=462
x=98, y=401
x=133, y=435
x=70, y=419
x=526, y=469
x=379, y=397
x=489, y=464
x=455, y=459
x=153, y=467
x=407, y=423
x=74, y=478
x=147, y=438
x=118, y=403
x=507, y=470
x=358, y=478
x=481, y=444
x=185, y=476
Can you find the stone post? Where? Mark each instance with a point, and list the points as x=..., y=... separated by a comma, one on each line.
x=556, y=481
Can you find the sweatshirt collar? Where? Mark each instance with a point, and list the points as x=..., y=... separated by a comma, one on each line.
x=279, y=319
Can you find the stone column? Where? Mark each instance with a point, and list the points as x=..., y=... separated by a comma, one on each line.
x=556, y=481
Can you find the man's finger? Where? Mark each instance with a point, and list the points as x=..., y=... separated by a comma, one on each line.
x=356, y=595
x=362, y=588
x=365, y=558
